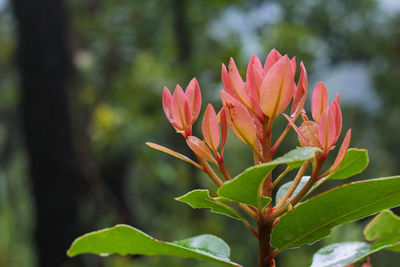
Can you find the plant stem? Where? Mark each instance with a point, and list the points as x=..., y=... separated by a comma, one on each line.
x=294, y=185
x=251, y=229
x=264, y=247
x=321, y=181
x=306, y=188
x=255, y=150
x=210, y=172
x=266, y=144
x=267, y=157
x=223, y=169
x=248, y=210
x=256, y=160
x=283, y=174
x=310, y=182
x=283, y=135
x=280, y=139
x=242, y=218
x=271, y=257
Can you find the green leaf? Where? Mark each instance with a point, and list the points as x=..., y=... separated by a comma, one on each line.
x=285, y=187
x=343, y=254
x=246, y=187
x=355, y=161
x=296, y=157
x=124, y=239
x=313, y=219
x=201, y=199
x=384, y=229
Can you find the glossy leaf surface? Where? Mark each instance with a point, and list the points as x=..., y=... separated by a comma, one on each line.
x=285, y=187
x=355, y=161
x=343, y=254
x=200, y=198
x=245, y=187
x=123, y=239
x=313, y=219
x=384, y=229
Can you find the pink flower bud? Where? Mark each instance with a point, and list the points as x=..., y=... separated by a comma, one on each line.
x=309, y=134
x=210, y=128
x=200, y=149
x=342, y=152
x=193, y=96
x=254, y=78
x=319, y=101
x=272, y=58
x=325, y=133
x=238, y=85
x=224, y=130
x=167, y=102
x=327, y=130
x=338, y=98
x=227, y=82
x=293, y=64
x=239, y=119
x=330, y=125
x=277, y=88
x=338, y=117
x=181, y=110
x=301, y=93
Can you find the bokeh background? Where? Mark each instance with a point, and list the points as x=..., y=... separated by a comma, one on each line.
x=80, y=93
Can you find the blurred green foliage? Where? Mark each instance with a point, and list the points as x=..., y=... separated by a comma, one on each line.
x=126, y=51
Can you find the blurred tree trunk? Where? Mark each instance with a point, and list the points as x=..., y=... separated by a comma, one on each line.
x=44, y=63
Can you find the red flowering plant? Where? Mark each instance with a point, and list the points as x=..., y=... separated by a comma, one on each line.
x=279, y=218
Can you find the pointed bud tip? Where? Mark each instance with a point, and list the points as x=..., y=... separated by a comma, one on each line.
x=178, y=87
x=210, y=128
x=273, y=50
x=194, y=80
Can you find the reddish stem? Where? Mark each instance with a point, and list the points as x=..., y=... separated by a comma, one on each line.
x=264, y=247
x=223, y=169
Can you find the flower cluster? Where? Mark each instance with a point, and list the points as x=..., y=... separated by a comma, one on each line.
x=183, y=108
x=250, y=108
x=325, y=130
